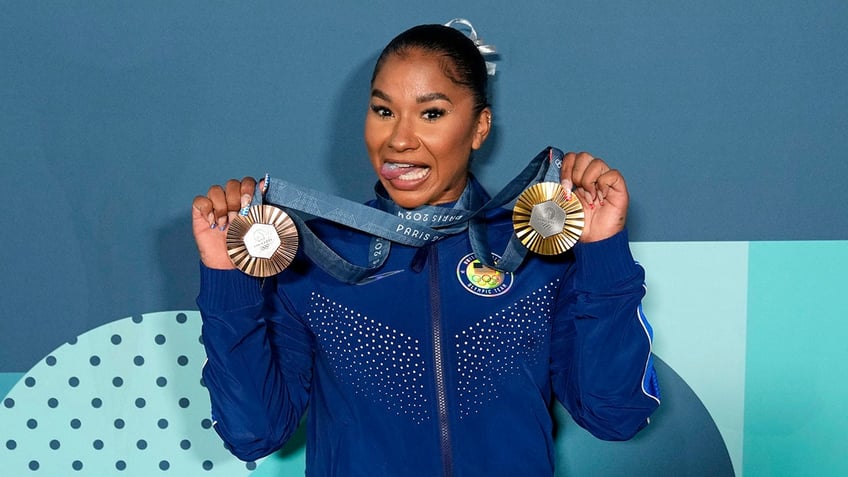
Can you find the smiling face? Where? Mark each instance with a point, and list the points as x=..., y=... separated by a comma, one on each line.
x=420, y=130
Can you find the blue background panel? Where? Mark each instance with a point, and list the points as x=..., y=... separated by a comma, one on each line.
x=727, y=119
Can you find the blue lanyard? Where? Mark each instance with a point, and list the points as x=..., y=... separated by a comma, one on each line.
x=417, y=227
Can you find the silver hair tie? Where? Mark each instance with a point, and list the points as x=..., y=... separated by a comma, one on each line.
x=485, y=50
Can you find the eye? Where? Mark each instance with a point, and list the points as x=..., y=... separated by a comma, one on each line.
x=381, y=111
x=433, y=114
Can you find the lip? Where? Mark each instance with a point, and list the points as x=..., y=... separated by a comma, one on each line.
x=405, y=162
x=394, y=179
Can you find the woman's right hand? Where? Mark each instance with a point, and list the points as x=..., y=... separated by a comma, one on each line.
x=211, y=215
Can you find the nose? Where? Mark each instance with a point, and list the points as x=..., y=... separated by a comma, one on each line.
x=403, y=136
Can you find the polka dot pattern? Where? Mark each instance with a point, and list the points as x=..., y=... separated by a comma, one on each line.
x=494, y=348
x=122, y=399
x=381, y=363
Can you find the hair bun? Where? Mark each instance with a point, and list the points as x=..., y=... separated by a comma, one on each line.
x=471, y=33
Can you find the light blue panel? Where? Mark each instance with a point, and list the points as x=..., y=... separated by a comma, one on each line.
x=797, y=362
x=125, y=398
x=696, y=302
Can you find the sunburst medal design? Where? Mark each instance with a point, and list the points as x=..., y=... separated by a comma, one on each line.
x=263, y=242
x=545, y=222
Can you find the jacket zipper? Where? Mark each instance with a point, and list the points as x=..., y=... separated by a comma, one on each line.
x=438, y=364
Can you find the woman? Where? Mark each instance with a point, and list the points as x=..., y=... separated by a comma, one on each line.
x=443, y=366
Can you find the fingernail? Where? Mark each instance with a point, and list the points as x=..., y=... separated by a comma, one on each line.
x=567, y=185
x=245, y=200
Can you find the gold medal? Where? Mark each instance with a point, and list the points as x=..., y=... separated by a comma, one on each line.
x=545, y=222
x=263, y=242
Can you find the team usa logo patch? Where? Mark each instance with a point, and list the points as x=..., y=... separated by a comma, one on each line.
x=481, y=280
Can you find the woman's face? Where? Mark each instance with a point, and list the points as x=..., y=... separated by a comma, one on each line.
x=420, y=130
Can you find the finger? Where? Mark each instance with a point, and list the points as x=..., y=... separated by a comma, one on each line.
x=233, y=195
x=218, y=197
x=581, y=162
x=594, y=169
x=611, y=182
x=585, y=197
x=248, y=186
x=243, y=200
x=203, y=206
x=565, y=173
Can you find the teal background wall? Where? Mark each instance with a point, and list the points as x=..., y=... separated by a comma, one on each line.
x=795, y=417
x=728, y=120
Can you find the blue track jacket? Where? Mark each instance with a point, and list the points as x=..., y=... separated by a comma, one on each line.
x=438, y=367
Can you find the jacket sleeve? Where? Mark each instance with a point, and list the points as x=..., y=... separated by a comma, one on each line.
x=259, y=362
x=602, y=370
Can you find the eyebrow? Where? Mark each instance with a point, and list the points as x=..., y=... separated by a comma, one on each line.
x=421, y=99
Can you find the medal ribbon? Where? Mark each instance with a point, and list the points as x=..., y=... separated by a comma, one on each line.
x=417, y=227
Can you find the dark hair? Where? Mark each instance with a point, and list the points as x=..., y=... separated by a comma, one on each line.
x=462, y=61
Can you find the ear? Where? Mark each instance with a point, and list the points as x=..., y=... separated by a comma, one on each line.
x=484, y=126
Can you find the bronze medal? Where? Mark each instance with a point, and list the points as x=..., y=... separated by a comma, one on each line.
x=263, y=242
x=545, y=222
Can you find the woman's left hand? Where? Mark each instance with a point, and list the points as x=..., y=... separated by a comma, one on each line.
x=601, y=190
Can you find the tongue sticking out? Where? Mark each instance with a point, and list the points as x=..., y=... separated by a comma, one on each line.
x=392, y=171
